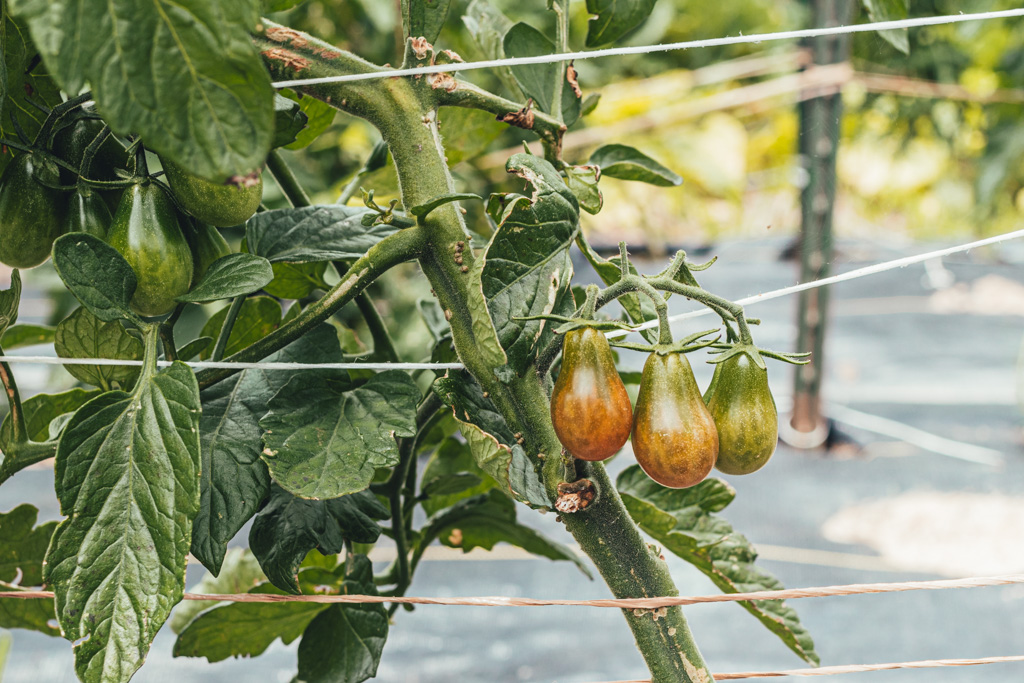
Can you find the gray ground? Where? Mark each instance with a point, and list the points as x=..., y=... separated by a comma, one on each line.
x=890, y=354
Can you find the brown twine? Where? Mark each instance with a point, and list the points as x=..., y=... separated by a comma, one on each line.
x=854, y=668
x=620, y=603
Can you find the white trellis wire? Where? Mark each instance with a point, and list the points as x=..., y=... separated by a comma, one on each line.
x=666, y=47
x=757, y=298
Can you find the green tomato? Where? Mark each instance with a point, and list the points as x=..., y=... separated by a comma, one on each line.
x=674, y=438
x=744, y=412
x=70, y=143
x=30, y=212
x=208, y=245
x=87, y=212
x=221, y=205
x=145, y=231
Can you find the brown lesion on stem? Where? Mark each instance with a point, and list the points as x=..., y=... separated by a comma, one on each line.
x=575, y=496
x=283, y=34
x=288, y=59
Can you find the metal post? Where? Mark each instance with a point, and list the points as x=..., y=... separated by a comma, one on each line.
x=820, y=121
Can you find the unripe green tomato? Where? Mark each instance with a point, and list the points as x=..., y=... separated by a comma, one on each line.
x=590, y=408
x=208, y=245
x=145, y=231
x=70, y=144
x=674, y=438
x=744, y=412
x=87, y=212
x=30, y=212
x=221, y=205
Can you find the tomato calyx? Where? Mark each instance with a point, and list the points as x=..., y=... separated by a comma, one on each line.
x=725, y=351
x=694, y=342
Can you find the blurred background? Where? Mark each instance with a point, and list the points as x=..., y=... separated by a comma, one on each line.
x=848, y=151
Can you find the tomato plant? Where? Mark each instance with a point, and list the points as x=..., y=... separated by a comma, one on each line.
x=157, y=462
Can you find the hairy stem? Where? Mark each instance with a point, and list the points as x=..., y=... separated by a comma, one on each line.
x=286, y=180
x=19, y=434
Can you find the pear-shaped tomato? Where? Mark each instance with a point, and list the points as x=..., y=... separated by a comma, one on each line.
x=30, y=211
x=219, y=204
x=745, y=414
x=87, y=212
x=145, y=231
x=589, y=405
x=674, y=437
x=208, y=245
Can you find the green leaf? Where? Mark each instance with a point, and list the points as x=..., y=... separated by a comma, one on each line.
x=83, y=335
x=324, y=438
x=127, y=476
x=184, y=75
x=343, y=643
x=230, y=276
x=424, y=18
x=539, y=81
x=297, y=280
x=234, y=480
x=288, y=527
x=258, y=317
x=9, y=300
x=245, y=629
x=18, y=336
x=491, y=442
x=488, y=519
x=313, y=233
x=97, y=275
x=42, y=409
x=527, y=260
x=423, y=210
x=240, y=573
x=467, y=133
x=23, y=547
x=21, y=77
x=626, y=163
x=610, y=20
x=33, y=614
x=451, y=475
x=488, y=26
x=582, y=181
x=682, y=520
x=289, y=120
x=319, y=117
x=891, y=10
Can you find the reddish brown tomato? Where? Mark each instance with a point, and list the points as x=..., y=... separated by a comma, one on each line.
x=589, y=405
x=744, y=411
x=674, y=437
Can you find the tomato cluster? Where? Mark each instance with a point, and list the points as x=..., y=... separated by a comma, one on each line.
x=167, y=237
x=678, y=435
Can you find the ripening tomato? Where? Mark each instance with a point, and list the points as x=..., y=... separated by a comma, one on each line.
x=589, y=405
x=30, y=210
x=744, y=412
x=219, y=204
x=674, y=438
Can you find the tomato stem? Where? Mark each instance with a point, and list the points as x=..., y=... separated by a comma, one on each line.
x=19, y=433
x=225, y=330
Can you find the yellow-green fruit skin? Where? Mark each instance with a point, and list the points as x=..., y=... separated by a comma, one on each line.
x=744, y=410
x=590, y=408
x=31, y=214
x=146, y=232
x=674, y=438
x=221, y=205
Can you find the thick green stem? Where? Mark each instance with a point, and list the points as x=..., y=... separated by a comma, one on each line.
x=404, y=110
